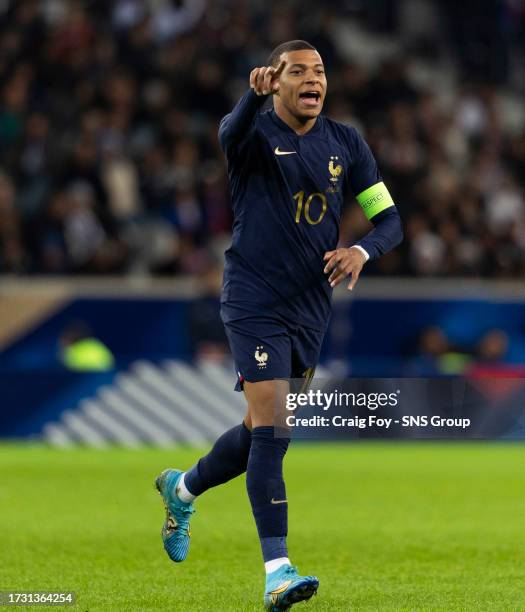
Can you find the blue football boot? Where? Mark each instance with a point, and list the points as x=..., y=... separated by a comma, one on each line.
x=285, y=587
x=176, y=528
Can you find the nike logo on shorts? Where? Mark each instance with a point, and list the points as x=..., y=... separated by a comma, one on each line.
x=278, y=501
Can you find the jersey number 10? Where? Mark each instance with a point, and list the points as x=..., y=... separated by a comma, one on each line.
x=299, y=196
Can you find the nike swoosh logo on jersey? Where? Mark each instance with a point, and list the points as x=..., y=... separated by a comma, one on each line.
x=278, y=501
x=278, y=152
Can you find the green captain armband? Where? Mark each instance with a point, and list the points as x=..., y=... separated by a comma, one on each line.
x=375, y=199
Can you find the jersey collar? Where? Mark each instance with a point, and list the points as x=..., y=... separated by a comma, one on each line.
x=284, y=126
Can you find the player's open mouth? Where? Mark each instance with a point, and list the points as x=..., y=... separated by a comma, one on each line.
x=310, y=98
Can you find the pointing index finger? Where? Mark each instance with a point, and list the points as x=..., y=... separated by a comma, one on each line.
x=280, y=68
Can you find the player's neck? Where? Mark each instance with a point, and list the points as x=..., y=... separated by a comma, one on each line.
x=298, y=126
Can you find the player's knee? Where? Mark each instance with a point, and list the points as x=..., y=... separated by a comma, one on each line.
x=262, y=412
x=265, y=402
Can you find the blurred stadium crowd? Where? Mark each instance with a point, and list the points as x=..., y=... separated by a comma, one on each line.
x=109, y=161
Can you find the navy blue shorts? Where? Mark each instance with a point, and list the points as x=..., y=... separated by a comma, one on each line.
x=265, y=349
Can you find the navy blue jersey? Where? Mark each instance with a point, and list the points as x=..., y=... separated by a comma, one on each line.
x=288, y=193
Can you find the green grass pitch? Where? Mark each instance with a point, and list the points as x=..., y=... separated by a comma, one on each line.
x=418, y=526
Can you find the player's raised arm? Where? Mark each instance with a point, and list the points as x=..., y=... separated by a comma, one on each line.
x=236, y=126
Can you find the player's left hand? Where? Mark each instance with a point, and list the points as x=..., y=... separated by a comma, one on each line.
x=343, y=262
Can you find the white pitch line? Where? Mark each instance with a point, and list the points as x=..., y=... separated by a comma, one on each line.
x=135, y=415
x=83, y=430
x=153, y=406
x=224, y=380
x=191, y=379
x=96, y=412
x=176, y=396
x=57, y=435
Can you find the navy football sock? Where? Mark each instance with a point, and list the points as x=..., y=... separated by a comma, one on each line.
x=265, y=484
x=226, y=460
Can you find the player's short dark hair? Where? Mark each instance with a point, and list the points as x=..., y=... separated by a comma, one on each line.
x=291, y=45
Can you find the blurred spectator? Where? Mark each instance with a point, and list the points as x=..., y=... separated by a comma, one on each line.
x=490, y=361
x=81, y=351
x=437, y=355
x=205, y=326
x=12, y=255
x=109, y=161
x=492, y=348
